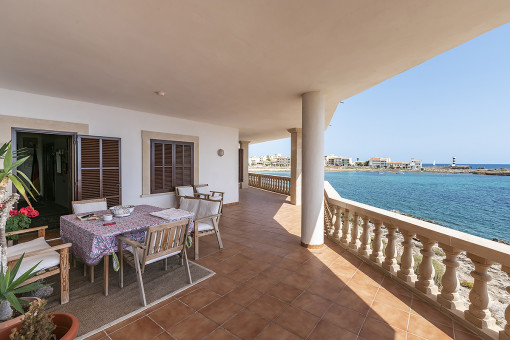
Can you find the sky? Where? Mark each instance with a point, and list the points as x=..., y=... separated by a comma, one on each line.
x=456, y=104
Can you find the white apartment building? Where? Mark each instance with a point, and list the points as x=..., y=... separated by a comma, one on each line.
x=333, y=160
x=280, y=161
x=379, y=162
x=415, y=164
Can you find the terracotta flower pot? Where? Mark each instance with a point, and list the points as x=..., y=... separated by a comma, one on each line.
x=67, y=327
x=14, y=321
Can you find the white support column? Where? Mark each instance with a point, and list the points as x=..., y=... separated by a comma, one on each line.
x=296, y=163
x=312, y=211
x=245, y=148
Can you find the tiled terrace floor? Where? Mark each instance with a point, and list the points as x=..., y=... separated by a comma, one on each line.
x=268, y=287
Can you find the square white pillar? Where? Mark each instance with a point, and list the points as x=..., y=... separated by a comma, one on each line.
x=296, y=164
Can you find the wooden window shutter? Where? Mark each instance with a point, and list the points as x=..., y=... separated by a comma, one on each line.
x=99, y=172
x=171, y=165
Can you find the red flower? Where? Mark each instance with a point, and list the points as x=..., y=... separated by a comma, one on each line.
x=13, y=213
x=29, y=211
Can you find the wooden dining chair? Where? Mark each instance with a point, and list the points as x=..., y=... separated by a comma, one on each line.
x=83, y=207
x=161, y=242
x=204, y=191
x=207, y=220
x=51, y=258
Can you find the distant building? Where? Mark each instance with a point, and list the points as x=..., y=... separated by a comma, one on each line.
x=397, y=165
x=415, y=164
x=280, y=161
x=379, y=162
x=333, y=160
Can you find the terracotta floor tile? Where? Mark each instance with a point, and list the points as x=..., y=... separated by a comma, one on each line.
x=297, y=321
x=159, y=305
x=390, y=315
x=221, y=310
x=351, y=299
x=288, y=264
x=199, y=298
x=428, y=312
x=170, y=314
x=124, y=323
x=196, y=326
x=297, y=280
x=221, y=334
x=164, y=336
x=375, y=330
x=326, y=289
x=311, y=303
x=276, y=332
x=142, y=329
x=261, y=283
x=224, y=268
x=276, y=273
x=327, y=330
x=428, y=329
x=246, y=325
x=345, y=318
x=268, y=307
x=221, y=284
x=284, y=292
x=97, y=336
x=414, y=337
x=397, y=301
x=241, y=274
x=243, y=295
x=394, y=287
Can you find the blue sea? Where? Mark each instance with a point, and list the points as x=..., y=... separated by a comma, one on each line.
x=475, y=204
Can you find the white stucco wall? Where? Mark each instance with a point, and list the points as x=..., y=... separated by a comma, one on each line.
x=219, y=172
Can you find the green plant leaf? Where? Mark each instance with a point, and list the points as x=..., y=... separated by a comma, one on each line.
x=8, y=158
x=19, y=162
x=3, y=149
x=14, y=269
x=27, y=179
x=14, y=302
x=28, y=288
x=24, y=277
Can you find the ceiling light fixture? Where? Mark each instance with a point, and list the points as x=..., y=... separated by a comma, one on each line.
x=160, y=93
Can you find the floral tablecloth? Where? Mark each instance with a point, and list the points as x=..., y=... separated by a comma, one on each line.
x=91, y=240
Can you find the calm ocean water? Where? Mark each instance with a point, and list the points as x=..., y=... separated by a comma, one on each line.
x=475, y=166
x=478, y=205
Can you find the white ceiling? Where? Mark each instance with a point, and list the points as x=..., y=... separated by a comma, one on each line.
x=238, y=63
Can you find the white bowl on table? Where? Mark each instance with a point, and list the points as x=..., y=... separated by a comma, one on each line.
x=122, y=210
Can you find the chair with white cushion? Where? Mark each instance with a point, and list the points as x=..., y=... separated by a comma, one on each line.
x=207, y=219
x=53, y=259
x=83, y=207
x=161, y=242
x=204, y=191
x=184, y=191
x=87, y=206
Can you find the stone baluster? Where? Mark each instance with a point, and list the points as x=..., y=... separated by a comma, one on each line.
x=449, y=296
x=364, y=249
x=505, y=333
x=425, y=283
x=354, y=244
x=376, y=255
x=345, y=228
x=390, y=261
x=478, y=312
x=406, y=271
x=338, y=222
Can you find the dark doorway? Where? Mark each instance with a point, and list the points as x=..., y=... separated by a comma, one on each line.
x=50, y=168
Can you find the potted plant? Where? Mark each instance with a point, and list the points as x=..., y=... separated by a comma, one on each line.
x=38, y=324
x=19, y=220
x=7, y=199
x=10, y=285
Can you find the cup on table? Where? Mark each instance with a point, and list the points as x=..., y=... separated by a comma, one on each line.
x=107, y=217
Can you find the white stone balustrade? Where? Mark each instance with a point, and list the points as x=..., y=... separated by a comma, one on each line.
x=278, y=184
x=482, y=252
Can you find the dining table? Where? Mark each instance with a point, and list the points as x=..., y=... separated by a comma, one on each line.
x=96, y=239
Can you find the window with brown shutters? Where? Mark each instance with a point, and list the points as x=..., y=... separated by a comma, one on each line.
x=171, y=165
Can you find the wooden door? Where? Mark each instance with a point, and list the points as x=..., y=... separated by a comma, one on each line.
x=98, y=169
x=241, y=165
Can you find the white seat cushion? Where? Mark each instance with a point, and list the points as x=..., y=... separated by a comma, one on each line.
x=203, y=190
x=140, y=255
x=186, y=191
x=207, y=208
x=204, y=226
x=89, y=207
x=190, y=204
x=215, y=198
x=48, y=260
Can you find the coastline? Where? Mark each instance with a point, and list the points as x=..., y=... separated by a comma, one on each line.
x=437, y=169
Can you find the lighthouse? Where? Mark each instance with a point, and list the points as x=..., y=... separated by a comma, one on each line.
x=453, y=162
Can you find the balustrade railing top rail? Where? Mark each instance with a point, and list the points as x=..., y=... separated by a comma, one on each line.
x=279, y=184
x=347, y=223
